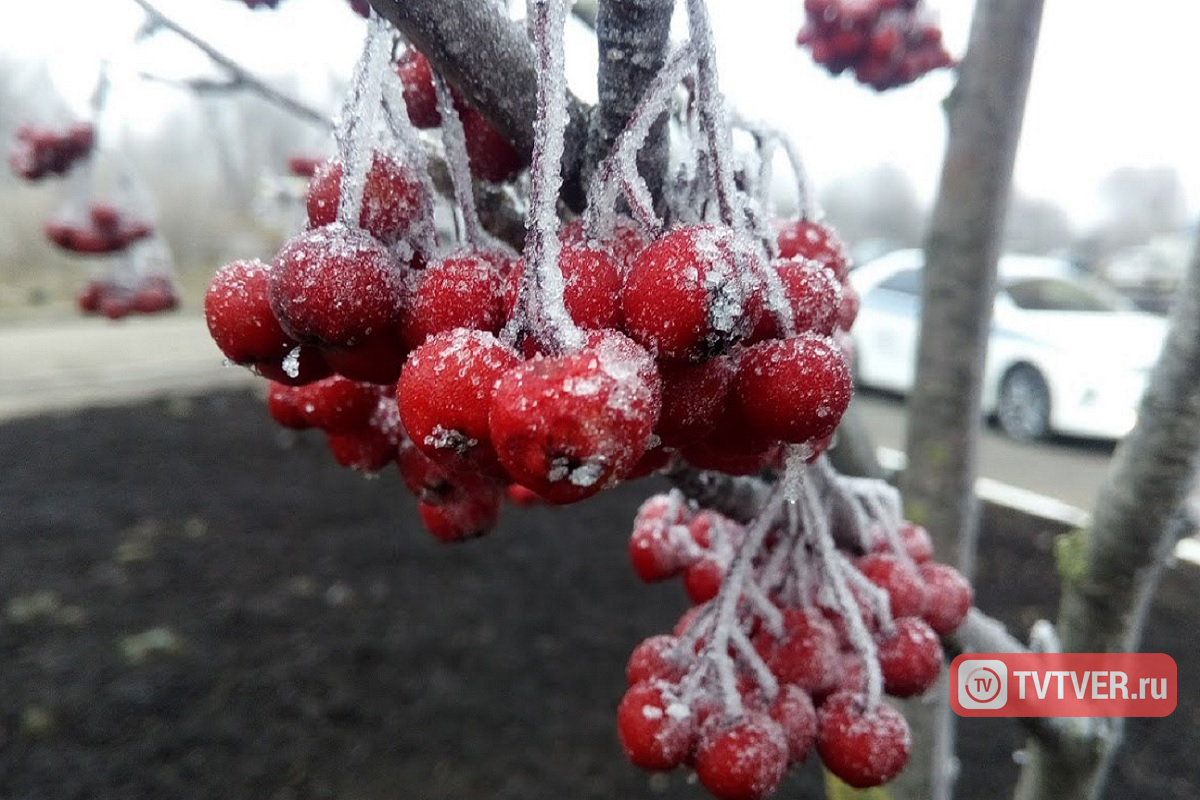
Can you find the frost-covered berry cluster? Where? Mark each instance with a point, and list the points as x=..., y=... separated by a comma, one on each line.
x=133, y=273
x=40, y=152
x=681, y=330
x=885, y=43
x=804, y=611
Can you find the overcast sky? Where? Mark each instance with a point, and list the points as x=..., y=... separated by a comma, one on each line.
x=1108, y=86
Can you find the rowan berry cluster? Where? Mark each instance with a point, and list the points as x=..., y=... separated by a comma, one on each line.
x=789, y=641
x=709, y=343
x=89, y=225
x=885, y=43
x=40, y=152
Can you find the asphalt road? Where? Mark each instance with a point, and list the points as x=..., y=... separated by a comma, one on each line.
x=1069, y=470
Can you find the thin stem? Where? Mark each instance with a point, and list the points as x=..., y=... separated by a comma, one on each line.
x=860, y=637
x=457, y=160
x=542, y=286
x=621, y=162
x=357, y=125
x=713, y=116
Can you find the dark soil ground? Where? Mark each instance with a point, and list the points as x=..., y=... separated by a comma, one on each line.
x=196, y=606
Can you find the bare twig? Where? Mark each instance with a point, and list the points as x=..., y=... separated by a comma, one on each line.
x=241, y=78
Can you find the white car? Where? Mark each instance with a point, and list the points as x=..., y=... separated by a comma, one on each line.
x=1065, y=355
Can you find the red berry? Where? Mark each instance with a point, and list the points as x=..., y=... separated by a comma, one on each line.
x=659, y=542
x=910, y=658
x=847, y=309
x=462, y=290
x=283, y=404
x=916, y=542
x=656, y=732
x=337, y=287
x=732, y=447
x=742, y=760
x=851, y=677
x=688, y=294
x=445, y=395
x=591, y=287
x=794, y=711
x=366, y=450
x=703, y=577
x=899, y=579
x=393, y=201
x=521, y=496
x=623, y=244
x=569, y=426
x=812, y=293
x=658, y=658
x=89, y=296
x=816, y=241
x=864, y=747
x=806, y=652
x=466, y=517
x=491, y=158
x=793, y=389
x=337, y=404
x=694, y=396
x=237, y=308
x=419, y=94
x=949, y=596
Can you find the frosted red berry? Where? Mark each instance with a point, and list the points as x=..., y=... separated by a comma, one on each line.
x=568, y=426
x=237, y=309
x=899, y=579
x=394, y=202
x=805, y=654
x=688, y=295
x=910, y=657
x=461, y=290
x=813, y=240
x=794, y=711
x=658, y=658
x=466, y=517
x=336, y=286
x=793, y=389
x=445, y=395
x=420, y=96
x=863, y=746
x=949, y=596
x=741, y=760
x=656, y=732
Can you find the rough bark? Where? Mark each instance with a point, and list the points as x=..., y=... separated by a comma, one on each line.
x=632, y=38
x=1111, y=569
x=488, y=58
x=984, y=112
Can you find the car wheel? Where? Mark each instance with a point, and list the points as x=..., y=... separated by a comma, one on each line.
x=1023, y=409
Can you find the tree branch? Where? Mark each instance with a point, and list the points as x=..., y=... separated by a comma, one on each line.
x=240, y=76
x=632, y=37
x=1111, y=570
x=489, y=60
x=980, y=633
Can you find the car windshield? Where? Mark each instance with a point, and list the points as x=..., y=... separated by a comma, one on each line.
x=1058, y=294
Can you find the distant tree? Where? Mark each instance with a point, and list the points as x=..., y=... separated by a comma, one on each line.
x=1140, y=202
x=879, y=203
x=1036, y=225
